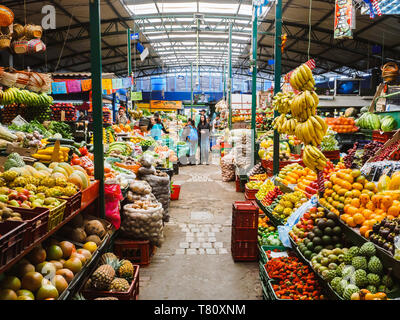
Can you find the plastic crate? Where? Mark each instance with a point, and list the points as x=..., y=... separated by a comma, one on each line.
x=263, y=249
x=250, y=194
x=271, y=291
x=268, y=165
x=73, y=204
x=176, y=192
x=36, y=222
x=244, y=214
x=56, y=215
x=12, y=240
x=381, y=136
x=138, y=252
x=90, y=194
x=265, y=292
x=264, y=278
x=239, y=233
x=131, y=294
x=332, y=155
x=244, y=250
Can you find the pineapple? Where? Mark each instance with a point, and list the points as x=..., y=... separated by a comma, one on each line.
x=3, y=182
x=108, y=255
x=105, y=274
x=69, y=191
x=33, y=180
x=119, y=285
x=10, y=175
x=53, y=192
x=60, y=182
x=126, y=270
x=48, y=182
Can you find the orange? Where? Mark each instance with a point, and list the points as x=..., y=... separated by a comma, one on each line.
x=356, y=193
x=344, y=217
x=370, y=186
x=372, y=216
x=380, y=217
x=390, y=217
x=393, y=211
x=355, y=203
x=361, y=179
x=370, y=206
x=358, y=218
x=367, y=213
x=352, y=210
x=379, y=212
x=372, y=222
x=367, y=234
x=363, y=230
x=350, y=222
x=358, y=186
x=328, y=184
x=346, y=208
x=364, y=199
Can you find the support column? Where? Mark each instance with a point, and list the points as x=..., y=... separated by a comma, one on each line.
x=277, y=76
x=254, y=84
x=230, y=78
x=191, y=90
x=97, y=99
x=128, y=40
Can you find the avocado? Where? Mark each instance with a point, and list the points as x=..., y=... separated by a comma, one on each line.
x=328, y=231
x=317, y=241
x=311, y=235
x=310, y=246
x=337, y=230
x=307, y=254
x=330, y=223
x=331, y=215
x=335, y=239
x=329, y=247
x=317, y=249
x=306, y=241
x=326, y=239
x=321, y=224
x=317, y=231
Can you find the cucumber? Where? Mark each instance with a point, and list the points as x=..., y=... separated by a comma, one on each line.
x=62, y=141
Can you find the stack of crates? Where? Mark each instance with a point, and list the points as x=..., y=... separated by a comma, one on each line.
x=244, y=231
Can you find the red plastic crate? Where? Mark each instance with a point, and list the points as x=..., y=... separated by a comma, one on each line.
x=73, y=204
x=36, y=222
x=244, y=214
x=381, y=136
x=244, y=250
x=246, y=234
x=249, y=193
x=138, y=252
x=90, y=193
x=13, y=240
x=131, y=294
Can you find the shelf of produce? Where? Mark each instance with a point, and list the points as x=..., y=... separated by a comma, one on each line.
x=44, y=237
x=269, y=214
x=298, y=253
x=354, y=236
x=284, y=188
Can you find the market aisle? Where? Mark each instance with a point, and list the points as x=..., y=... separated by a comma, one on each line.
x=200, y=220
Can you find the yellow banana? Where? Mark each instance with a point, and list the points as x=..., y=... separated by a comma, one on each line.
x=315, y=97
x=316, y=123
x=308, y=71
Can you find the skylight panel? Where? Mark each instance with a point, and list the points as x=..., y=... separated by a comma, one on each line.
x=142, y=9
x=177, y=7
x=218, y=8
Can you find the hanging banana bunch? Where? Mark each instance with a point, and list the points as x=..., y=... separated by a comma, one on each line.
x=313, y=158
x=302, y=78
x=304, y=105
x=281, y=102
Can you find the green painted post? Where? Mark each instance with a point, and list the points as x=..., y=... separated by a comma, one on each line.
x=277, y=76
x=230, y=79
x=254, y=84
x=224, y=80
x=97, y=99
x=191, y=90
x=128, y=35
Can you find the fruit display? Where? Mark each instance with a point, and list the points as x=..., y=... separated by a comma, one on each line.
x=342, y=124
x=329, y=142
x=266, y=151
x=384, y=233
x=370, y=150
x=111, y=275
x=45, y=155
x=285, y=171
x=267, y=186
x=271, y=196
x=259, y=177
x=25, y=97
x=256, y=170
x=254, y=185
x=287, y=205
x=388, y=151
x=7, y=213
x=355, y=268
x=122, y=148
x=317, y=230
x=45, y=272
x=369, y=120
x=269, y=238
x=293, y=279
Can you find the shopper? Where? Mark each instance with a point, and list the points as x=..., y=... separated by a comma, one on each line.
x=156, y=129
x=190, y=135
x=121, y=117
x=82, y=116
x=217, y=123
x=157, y=120
x=198, y=116
x=203, y=130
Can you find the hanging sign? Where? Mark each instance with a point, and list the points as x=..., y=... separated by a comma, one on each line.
x=135, y=36
x=343, y=19
x=136, y=96
x=162, y=104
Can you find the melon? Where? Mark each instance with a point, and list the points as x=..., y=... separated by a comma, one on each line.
x=39, y=166
x=79, y=168
x=66, y=167
x=60, y=170
x=394, y=183
x=57, y=175
x=383, y=183
x=53, y=165
x=32, y=170
x=79, y=179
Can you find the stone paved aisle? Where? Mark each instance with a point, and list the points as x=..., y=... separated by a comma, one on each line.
x=195, y=260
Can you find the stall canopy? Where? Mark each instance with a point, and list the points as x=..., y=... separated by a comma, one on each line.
x=169, y=30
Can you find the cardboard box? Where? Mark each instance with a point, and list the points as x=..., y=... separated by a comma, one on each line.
x=14, y=147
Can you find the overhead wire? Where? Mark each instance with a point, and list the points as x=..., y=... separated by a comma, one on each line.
x=65, y=41
x=309, y=30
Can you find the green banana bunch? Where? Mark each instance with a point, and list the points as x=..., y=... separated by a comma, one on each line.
x=28, y=98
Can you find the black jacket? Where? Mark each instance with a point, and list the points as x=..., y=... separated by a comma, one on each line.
x=202, y=127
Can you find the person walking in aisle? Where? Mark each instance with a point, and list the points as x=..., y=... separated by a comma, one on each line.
x=198, y=116
x=156, y=129
x=190, y=135
x=203, y=130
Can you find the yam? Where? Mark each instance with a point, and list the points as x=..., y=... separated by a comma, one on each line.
x=95, y=227
x=78, y=235
x=93, y=238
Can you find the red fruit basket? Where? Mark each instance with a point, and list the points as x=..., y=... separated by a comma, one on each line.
x=250, y=194
x=138, y=252
x=12, y=240
x=176, y=190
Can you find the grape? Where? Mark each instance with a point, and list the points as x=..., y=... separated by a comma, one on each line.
x=348, y=159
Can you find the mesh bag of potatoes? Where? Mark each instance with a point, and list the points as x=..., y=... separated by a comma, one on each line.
x=228, y=168
x=140, y=187
x=143, y=220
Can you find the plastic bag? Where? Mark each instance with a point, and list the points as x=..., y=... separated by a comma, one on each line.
x=283, y=231
x=112, y=196
x=146, y=160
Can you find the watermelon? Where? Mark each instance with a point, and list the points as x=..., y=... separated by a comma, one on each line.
x=388, y=123
x=374, y=121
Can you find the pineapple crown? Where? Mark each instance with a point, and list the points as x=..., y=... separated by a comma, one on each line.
x=114, y=263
